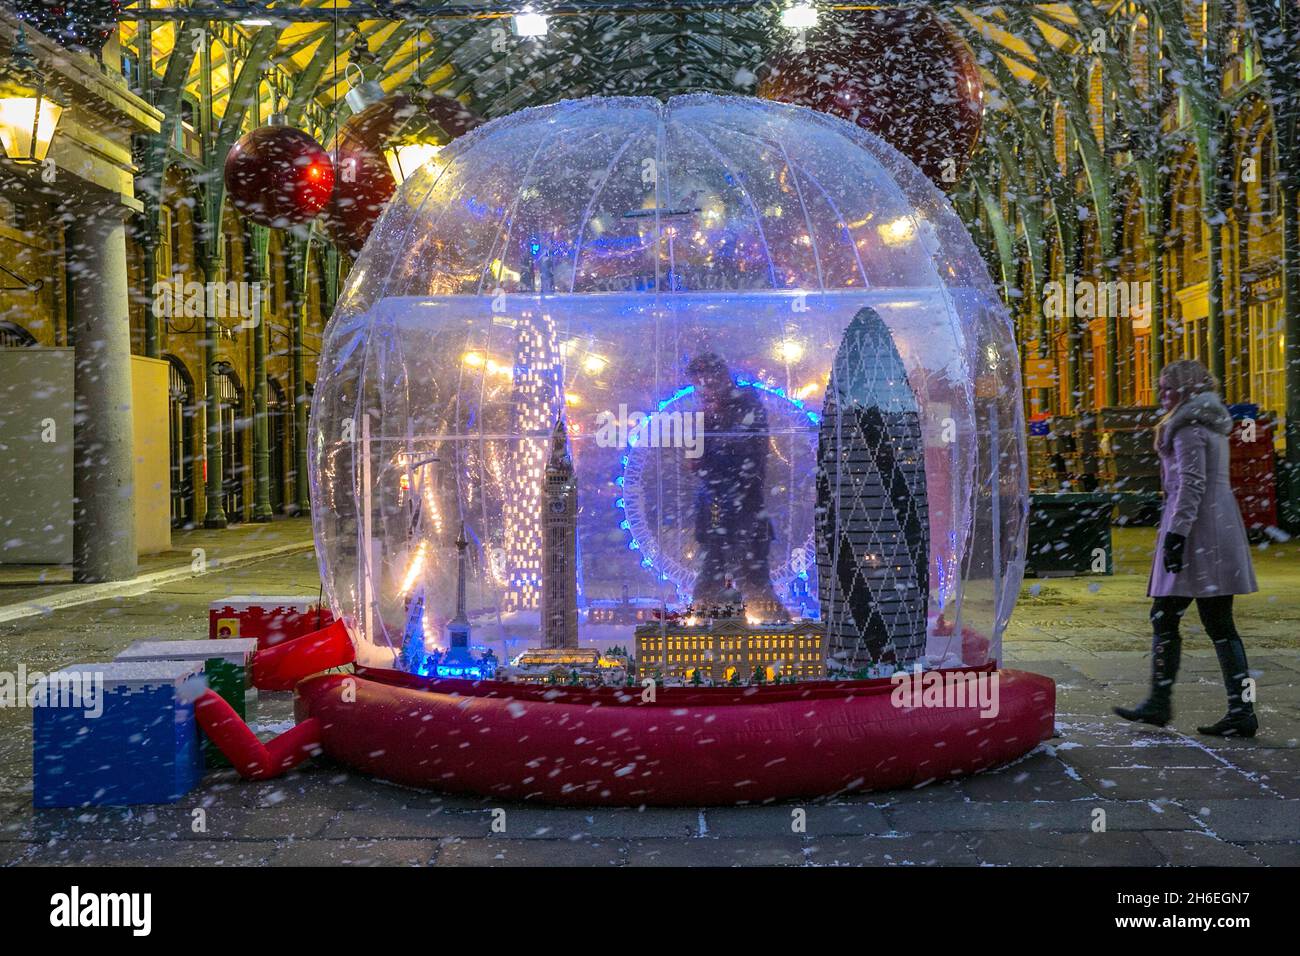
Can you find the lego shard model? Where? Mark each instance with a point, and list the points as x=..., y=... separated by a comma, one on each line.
x=537, y=390
x=873, y=549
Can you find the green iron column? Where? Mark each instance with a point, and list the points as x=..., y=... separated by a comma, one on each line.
x=1282, y=72
x=1157, y=187
x=1214, y=338
x=1285, y=81
x=301, y=260
x=151, y=195
x=1214, y=201
x=149, y=246
x=1155, y=254
x=214, y=516
x=210, y=235
x=262, y=512
x=1289, y=490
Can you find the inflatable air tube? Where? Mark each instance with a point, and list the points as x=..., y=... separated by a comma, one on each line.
x=690, y=746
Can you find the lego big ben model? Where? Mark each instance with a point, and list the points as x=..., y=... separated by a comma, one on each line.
x=559, y=656
x=559, y=546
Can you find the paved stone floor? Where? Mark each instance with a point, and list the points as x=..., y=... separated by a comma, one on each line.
x=1168, y=796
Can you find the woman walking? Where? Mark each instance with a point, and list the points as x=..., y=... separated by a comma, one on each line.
x=1201, y=550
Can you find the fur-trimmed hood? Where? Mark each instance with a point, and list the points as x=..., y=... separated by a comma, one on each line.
x=1204, y=409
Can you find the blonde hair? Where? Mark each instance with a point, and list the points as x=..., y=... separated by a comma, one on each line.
x=1188, y=377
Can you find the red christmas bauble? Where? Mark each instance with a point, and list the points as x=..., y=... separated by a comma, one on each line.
x=900, y=72
x=365, y=182
x=364, y=187
x=278, y=176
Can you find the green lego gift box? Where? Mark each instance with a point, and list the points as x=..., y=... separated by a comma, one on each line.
x=226, y=665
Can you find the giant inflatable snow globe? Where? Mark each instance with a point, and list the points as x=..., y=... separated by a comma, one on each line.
x=617, y=372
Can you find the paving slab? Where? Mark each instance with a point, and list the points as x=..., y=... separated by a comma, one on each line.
x=1166, y=755
x=1049, y=848
x=553, y=853
x=316, y=853
x=1190, y=848
x=169, y=823
x=711, y=851
x=1021, y=817
x=913, y=849
x=778, y=821
x=1133, y=783
x=1274, y=854
x=1249, y=821
x=1016, y=784
x=941, y=791
x=11, y=854
x=406, y=823
x=149, y=853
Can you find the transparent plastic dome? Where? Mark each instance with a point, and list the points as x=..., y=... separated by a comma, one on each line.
x=646, y=355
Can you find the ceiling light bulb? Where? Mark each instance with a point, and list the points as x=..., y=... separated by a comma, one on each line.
x=529, y=24
x=799, y=16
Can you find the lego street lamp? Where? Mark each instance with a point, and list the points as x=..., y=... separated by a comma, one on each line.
x=28, y=112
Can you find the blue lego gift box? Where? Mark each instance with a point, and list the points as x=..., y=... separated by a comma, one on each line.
x=225, y=667
x=116, y=734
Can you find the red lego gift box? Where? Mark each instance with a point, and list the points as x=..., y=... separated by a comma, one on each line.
x=268, y=618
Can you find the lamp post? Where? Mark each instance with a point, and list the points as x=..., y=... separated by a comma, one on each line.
x=29, y=112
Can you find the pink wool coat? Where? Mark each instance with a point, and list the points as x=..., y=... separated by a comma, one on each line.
x=1193, y=446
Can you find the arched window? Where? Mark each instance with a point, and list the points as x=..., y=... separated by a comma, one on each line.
x=13, y=336
x=1267, y=179
x=230, y=395
x=180, y=433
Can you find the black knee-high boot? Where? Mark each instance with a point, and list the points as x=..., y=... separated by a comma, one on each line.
x=1240, y=721
x=1166, y=652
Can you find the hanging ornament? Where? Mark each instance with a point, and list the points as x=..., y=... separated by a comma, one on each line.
x=383, y=143
x=278, y=176
x=900, y=72
x=84, y=24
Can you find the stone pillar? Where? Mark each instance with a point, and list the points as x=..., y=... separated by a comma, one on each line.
x=104, y=443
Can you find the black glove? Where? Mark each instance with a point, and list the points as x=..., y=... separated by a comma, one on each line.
x=1173, y=552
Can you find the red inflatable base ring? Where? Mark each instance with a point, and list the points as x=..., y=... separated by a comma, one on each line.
x=692, y=746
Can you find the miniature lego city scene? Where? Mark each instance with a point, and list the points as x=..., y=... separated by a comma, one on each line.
x=797, y=435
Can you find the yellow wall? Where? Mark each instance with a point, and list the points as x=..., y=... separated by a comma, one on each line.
x=149, y=411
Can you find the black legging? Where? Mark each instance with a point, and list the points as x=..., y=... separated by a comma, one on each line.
x=1216, y=615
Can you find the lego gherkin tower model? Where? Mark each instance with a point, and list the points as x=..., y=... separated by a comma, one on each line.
x=872, y=520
